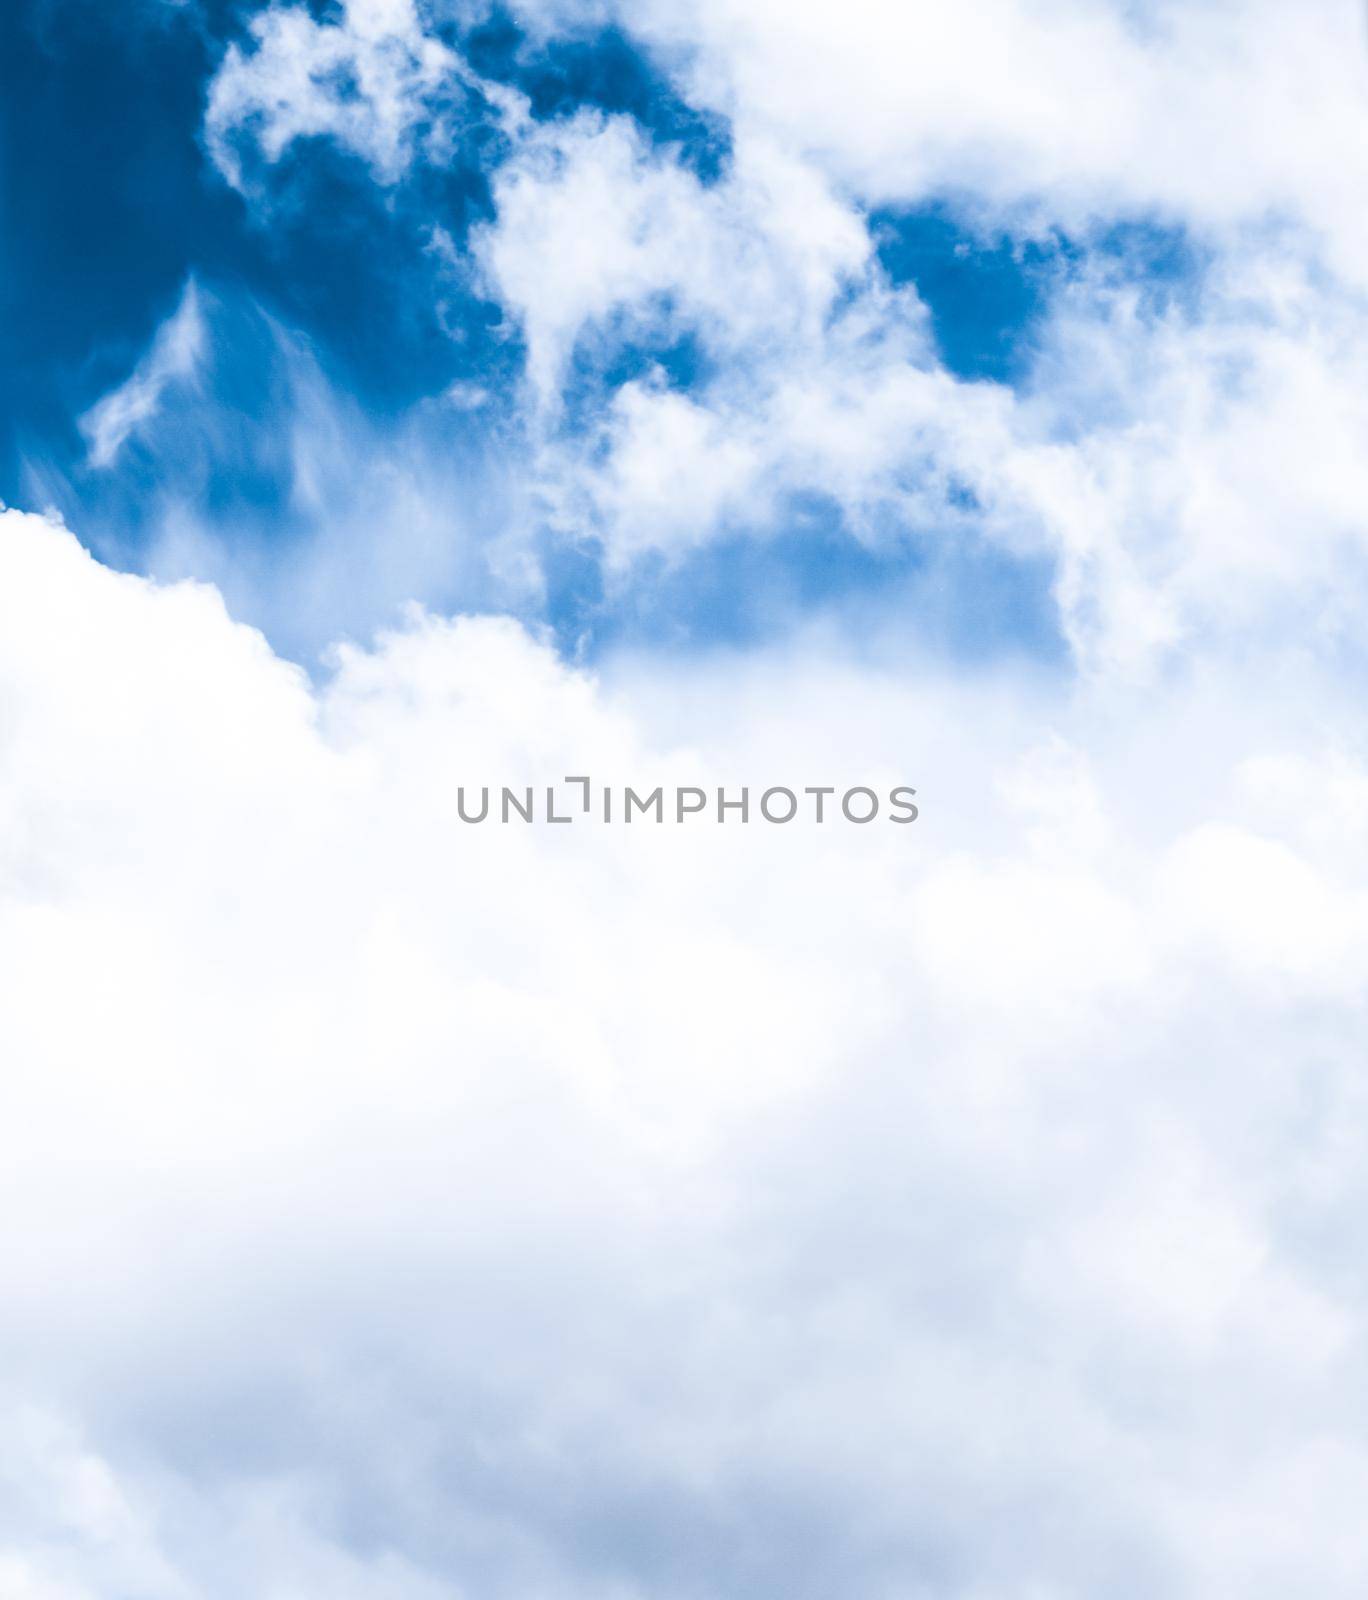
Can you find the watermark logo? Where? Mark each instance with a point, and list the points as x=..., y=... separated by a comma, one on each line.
x=581, y=799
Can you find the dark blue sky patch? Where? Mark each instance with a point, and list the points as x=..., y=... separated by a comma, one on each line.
x=647, y=345
x=677, y=356
x=108, y=204
x=988, y=294
x=984, y=295
x=353, y=266
x=219, y=443
x=100, y=199
x=605, y=70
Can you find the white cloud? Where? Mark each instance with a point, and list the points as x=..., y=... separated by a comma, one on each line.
x=374, y=81
x=970, y=1208
x=824, y=377
x=1217, y=113
x=175, y=354
x=1198, y=470
x=593, y=225
x=1067, y=112
x=1160, y=453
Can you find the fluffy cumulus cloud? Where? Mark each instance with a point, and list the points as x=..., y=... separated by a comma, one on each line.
x=406, y=1207
x=413, y=1207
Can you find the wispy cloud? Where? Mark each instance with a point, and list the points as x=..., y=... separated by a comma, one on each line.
x=375, y=80
x=174, y=355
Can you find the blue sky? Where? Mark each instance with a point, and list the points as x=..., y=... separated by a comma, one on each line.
x=402, y=397
x=104, y=140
